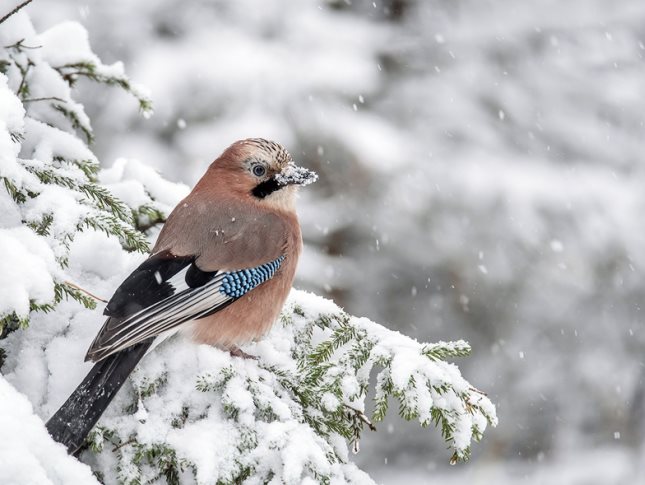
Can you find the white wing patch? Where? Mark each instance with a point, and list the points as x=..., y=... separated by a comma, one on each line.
x=178, y=281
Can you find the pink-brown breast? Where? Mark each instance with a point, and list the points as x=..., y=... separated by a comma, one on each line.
x=253, y=315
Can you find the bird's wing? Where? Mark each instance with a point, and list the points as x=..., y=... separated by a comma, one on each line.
x=195, y=269
x=166, y=291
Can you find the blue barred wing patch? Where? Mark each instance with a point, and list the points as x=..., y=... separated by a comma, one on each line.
x=237, y=283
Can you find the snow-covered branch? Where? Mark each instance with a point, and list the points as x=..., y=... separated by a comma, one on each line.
x=290, y=415
x=50, y=175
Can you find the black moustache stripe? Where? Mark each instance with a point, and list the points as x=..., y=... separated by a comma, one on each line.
x=265, y=188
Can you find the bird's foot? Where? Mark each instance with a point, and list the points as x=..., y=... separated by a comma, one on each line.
x=238, y=352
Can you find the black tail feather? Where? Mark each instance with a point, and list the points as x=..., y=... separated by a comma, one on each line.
x=73, y=421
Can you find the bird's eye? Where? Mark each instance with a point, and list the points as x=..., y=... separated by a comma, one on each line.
x=259, y=170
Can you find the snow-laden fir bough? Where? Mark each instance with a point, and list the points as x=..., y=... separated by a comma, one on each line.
x=47, y=169
x=293, y=414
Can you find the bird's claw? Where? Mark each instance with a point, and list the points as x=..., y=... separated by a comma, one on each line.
x=237, y=352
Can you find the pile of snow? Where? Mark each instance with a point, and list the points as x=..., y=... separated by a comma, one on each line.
x=28, y=455
x=28, y=265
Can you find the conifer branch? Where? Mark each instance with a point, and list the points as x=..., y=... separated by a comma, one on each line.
x=99, y=210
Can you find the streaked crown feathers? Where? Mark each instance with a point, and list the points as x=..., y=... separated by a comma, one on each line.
x=274, y=151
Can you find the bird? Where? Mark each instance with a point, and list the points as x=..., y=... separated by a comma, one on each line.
x=219, y=272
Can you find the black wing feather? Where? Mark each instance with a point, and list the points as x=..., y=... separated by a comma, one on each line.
x=147, y=285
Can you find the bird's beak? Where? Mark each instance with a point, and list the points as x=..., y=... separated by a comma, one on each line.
x=292, y=174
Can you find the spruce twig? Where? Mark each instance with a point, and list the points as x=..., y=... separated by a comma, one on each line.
x=360, y=415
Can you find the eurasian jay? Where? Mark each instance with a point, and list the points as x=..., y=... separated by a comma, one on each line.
x=220, y=271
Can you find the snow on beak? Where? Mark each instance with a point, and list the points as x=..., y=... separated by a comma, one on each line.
x=292, y=174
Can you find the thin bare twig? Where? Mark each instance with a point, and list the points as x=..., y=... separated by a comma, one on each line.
x=97, y=298
x=50, y=98
x=19, y=45
x=474, y=389
x=15, y=10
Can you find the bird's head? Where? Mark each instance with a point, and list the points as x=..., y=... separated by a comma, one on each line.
x=263, y=170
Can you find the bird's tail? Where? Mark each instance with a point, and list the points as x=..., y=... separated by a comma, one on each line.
x=73, y=421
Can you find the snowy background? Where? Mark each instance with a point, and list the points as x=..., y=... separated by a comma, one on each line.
x=481, y=178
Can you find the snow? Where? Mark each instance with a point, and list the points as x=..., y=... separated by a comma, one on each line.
x=296, y=175
x=83, y=260
x=27, y=266
x=11, y=122
x=136, y=183
x=13, y=113
x=16, y=28
x=66, y=43
x=28, y=455
x=286, y=448
x=330, y=402
x=46, y=142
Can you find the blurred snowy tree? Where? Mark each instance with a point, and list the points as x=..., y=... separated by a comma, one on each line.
x=190, y=413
